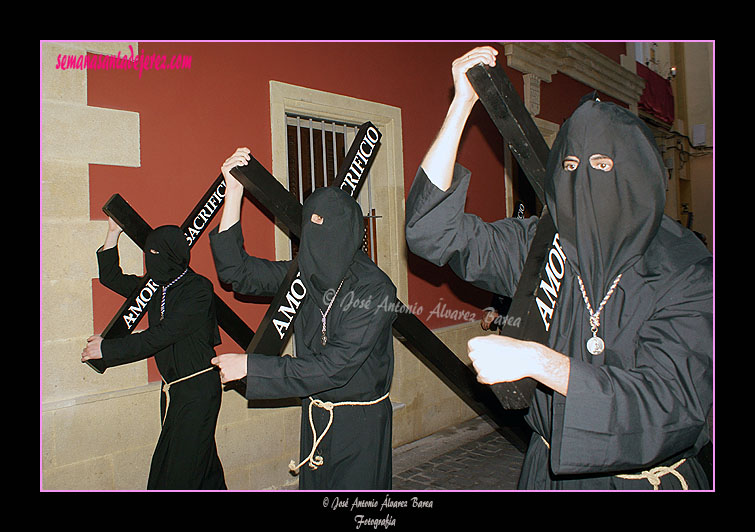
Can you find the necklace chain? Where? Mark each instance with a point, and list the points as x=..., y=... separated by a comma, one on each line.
x=165, y=289
x=595, y=316
x=325, y=314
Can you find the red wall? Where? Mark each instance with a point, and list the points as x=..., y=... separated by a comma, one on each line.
x=192, y=119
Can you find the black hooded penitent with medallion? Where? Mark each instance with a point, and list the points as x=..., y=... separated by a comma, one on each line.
x=642, y=401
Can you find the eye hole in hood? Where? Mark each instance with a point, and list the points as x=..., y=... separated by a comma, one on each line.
x=597, y=161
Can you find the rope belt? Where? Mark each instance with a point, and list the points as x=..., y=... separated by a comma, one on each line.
x=167, y=385
x=652, y=475
x=316, y=461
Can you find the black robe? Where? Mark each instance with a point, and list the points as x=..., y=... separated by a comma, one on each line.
x=185, y=457
x=644, y=401
x=356, y=364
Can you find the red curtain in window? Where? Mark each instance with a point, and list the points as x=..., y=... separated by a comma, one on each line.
x=657, y=98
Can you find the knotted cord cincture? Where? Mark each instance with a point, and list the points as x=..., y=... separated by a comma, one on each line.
x=316, y=461
x=652, y=475
x=167, y=385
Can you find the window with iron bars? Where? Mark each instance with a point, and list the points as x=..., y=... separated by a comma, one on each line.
x=316, y=149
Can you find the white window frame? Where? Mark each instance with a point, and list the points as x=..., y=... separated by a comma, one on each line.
x=386, y=175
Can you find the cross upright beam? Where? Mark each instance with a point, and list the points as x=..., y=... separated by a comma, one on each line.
x=508, y=113
x=513, y=121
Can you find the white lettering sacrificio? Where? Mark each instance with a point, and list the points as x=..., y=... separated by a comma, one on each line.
x=555, y=272
x=359, y=163
x=134, y=311
x=294, y=296
x=205, y=214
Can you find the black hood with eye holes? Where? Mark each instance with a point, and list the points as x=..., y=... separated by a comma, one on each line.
x=172, y=256
x=605, y=220
x=327, y=250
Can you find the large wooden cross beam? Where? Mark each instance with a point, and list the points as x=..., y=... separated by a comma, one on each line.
x=537, y=294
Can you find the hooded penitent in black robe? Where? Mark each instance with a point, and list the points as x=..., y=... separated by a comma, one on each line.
x=182, y=342
x=356, y=362
x=643, y=402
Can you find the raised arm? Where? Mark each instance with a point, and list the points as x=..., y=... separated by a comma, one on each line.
x=234, y=191
x=108, y=262
x=113, y=233
x=246, y=274
x=489, y=255
x=439, y=160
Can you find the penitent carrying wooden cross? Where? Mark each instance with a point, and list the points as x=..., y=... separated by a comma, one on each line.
x=133, y=309
x=275, y=329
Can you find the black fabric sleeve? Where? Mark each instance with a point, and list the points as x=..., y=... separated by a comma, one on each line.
x=111, y=275
x=270, y=377
x=182, y=321
x=489, y=255
x=246, y=274
x=617, y=418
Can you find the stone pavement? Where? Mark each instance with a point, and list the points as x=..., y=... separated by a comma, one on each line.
x=469, y=456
